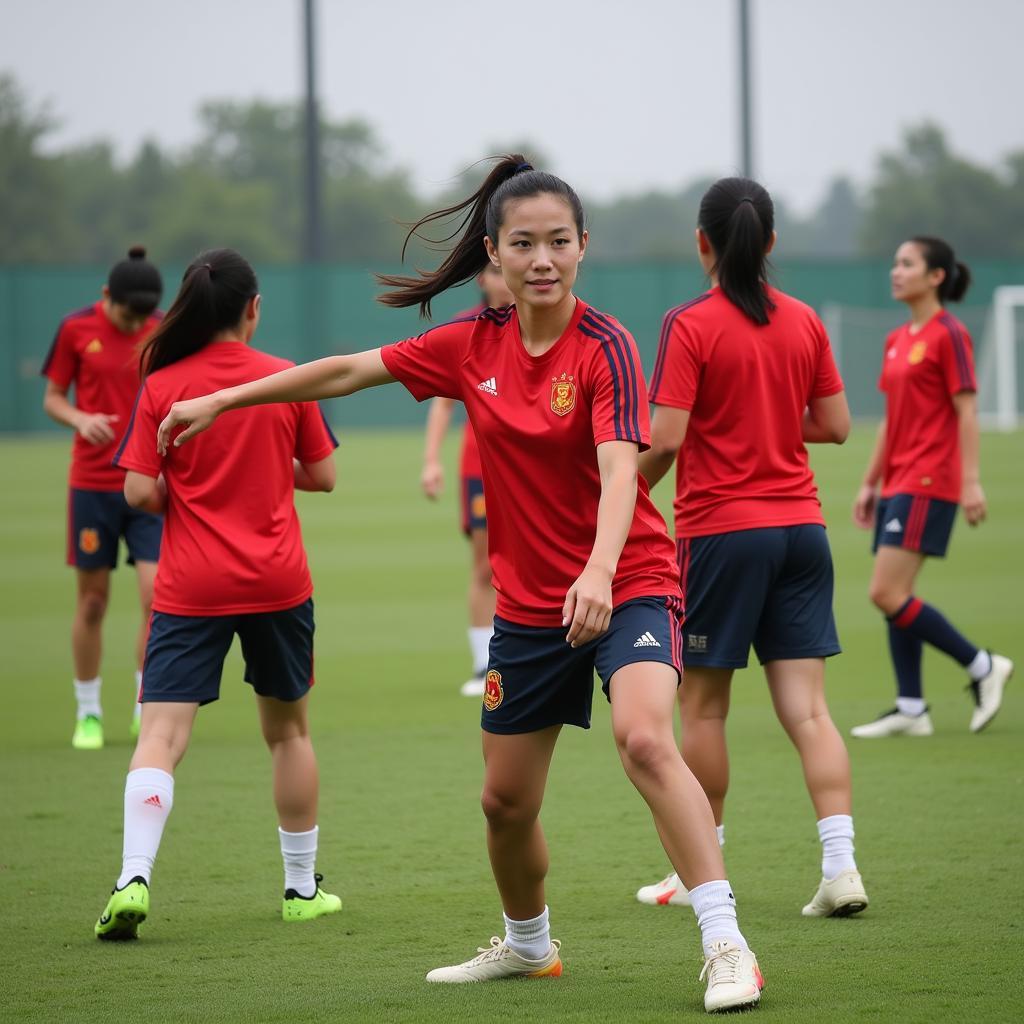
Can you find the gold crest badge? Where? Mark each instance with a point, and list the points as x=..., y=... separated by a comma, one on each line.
x=89, y=540
x=563, y=394
x=94, y=346
x=493, y=693
x=478, y=506
x=917, y=352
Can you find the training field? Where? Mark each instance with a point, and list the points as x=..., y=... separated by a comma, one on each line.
x=939, y=821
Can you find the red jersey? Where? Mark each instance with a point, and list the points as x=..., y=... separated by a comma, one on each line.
x=102, y=363
x=538, y=421
x=743, y=464
x=469, y=463
x=920, y=374
x=232, y=542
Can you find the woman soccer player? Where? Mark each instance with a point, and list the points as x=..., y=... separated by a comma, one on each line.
x=744, y=378
x=582, y=561
x=96, y=351
x=926, y=459
x=495, y=295
x=232, y=563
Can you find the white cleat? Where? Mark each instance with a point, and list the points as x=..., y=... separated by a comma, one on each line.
x=499, y=961
x=669, y=892
x=895, y=723
x=988, y=692
x=838, y=897
x=473, y=687
x=734, y=979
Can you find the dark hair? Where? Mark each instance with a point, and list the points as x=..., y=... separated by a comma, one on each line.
x=938, y=255
x=738, y=217
x=214, y=290
x=135, y=282
x=512, y=177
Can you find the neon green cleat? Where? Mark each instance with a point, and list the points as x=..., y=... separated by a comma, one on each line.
x=88, y=734
x=304, y=908
x=126, y=909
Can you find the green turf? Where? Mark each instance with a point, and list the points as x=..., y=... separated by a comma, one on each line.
x=939, y=821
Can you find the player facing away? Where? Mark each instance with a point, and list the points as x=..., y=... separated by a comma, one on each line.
x=743, y=380
x=494, y=295
x=582, y=561
x=926, y=460
x=232, y=564
x=96, y=352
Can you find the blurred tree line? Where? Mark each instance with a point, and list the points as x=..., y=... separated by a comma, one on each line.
x=240, y=184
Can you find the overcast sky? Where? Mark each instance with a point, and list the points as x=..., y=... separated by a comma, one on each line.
x=621, y=95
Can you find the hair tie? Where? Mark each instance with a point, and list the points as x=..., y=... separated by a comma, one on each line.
x=522, y=167
x=747, y=199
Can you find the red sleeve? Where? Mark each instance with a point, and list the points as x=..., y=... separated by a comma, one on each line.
x=429, y=364
x=314, y=439
x=61, y=365
x=956, y=358
x=677, y=370
x=618, y=406
x=138, y=449
x=826, y=376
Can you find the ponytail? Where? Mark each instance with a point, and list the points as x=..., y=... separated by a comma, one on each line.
x=938, y=255
x=738, y=218
x=214, y=291
x=479, y=216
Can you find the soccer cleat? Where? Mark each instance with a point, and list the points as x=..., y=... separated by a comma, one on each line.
x=734, y=979
x=838, y=897
x=988, y=691
x=895, y=723
x=305, y=908
x=499, y=961
x=669, y=892
x=473, y=687
x=126, y=909
x=88, y=733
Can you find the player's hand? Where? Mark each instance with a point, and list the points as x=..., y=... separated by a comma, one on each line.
x=96, y=427
x=972, y=500
x=865, y=506
x=587, y=610
x=432, y=479
x=195, y=414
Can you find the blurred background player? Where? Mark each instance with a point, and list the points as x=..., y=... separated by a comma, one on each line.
x=96, y=350
x=233, y=562
x=494, y=295
x=583, y=565
x=743, y=380
x=926, y=460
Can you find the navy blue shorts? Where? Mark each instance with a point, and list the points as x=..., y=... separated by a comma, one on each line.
x=770, y=587
x=474, y=509
x=536, y=680
x=185, y=654
x=97, y=520
x=915, y=523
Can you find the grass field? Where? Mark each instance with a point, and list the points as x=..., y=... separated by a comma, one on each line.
x=939, y=822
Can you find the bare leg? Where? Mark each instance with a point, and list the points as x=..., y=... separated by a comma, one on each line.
x=164, y=735
x=296, y=778
x=703, y=707
x=893, y=578
x=87, y=625
x=481, y=592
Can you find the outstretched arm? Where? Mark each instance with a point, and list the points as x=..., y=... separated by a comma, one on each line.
x=333, y=377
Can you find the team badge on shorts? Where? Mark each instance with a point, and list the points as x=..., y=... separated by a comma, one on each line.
x=563, y=395
x=89, y=540
x=493, y=693
x=917, y=352
x=478, y=506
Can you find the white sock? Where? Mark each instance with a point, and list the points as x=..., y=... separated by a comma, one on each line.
x=138, y=693
x=720, y=829
x=87, y=693
x=530, y=939
x=981, y=666
x=911, y=706
x=298, y=851
x=836, y=834
x=715, y=907
x=148, y=798
x=479, y=646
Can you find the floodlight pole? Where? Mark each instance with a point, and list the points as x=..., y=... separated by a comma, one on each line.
x=746, y=143
x=313, y=236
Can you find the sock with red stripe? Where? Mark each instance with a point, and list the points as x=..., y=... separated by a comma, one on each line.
x=905, y=649
x=931, y=626
x=148, y=798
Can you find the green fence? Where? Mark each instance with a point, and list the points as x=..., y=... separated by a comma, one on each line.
x=313, y=311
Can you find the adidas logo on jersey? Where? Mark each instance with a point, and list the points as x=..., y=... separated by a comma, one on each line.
x=894, y=526
x=490, y=386
x=646, y=640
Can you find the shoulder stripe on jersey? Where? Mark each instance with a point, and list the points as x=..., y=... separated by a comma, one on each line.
x=458, y=320
x=330, y=433
x=130, y=427
x=76, y=315
x=963, y=361
x=498, y=316
x=666, y=330
x=625, y=395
